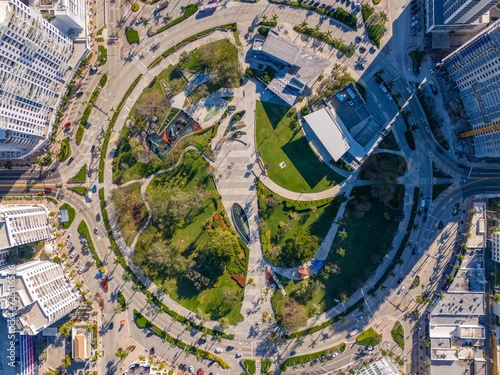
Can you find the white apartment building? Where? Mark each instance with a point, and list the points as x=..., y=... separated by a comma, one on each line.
x=455, y=15
x=475, y=69
x=69, y=16
x=22, y=224
x=36, y=294
x=34, y=57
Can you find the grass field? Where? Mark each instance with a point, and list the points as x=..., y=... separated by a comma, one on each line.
x=369, y=238
x=398, y=335
x=81, y=176
x=130, y=210
x=191, y=237
x=369, y=337
x=278, y=142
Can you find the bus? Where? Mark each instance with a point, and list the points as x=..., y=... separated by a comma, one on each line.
x=208, y=8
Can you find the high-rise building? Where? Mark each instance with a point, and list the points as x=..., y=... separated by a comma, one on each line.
x=34, y=57
x=455, y=15
x=35, y=295
x=475, y=67
x=22, y=224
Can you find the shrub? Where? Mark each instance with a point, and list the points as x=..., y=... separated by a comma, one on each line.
x=188, y=12
x=135, y=7
x=65, y=151
x=132, y=36
x=103, y=80
x=103, y=55
x=263, y=31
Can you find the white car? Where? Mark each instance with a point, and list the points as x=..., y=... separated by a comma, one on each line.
x=409, y=90
x=217, y=350
x=401, y=290
x=360, y=318
x=69, y=236
x=191, y=369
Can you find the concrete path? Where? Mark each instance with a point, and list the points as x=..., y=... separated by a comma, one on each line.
x=236, y=184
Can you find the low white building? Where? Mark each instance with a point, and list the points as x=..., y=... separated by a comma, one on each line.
x=36, y=294
x=382, y=366
x=81, y=342
x=22, y=224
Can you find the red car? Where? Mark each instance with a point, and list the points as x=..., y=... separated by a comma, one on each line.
x=200, y=372
x=67, y=125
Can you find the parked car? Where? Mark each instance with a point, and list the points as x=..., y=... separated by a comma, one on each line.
x=92, y=149
x=400, y=281
x=89, y=172
x=94, y=189
x=96, y=231
x=70, y=160
x=98, y=217
x=217, y=350
x=93, y=70
x=238, y=355
x=353, y=332
x=409, y=90
x=401, y=290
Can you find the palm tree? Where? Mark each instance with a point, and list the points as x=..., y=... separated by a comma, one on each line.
x=78, y=284
x=397, y=96
x=142, y=358
x=303, y=25
x=343, y=319
x=264, y=18
x=389, y=85
x=145, y=21
x=274, y=17
x=416, y=226
x=399, y=261
x=341, y=252
x=379, y=73
x=328, y=35
x=316, y=29
x=343, y=234
x=78, y=74
x=383, y=16
x=383, y=287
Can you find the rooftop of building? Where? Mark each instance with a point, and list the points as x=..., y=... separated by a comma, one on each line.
x=477, y=228
x=459, y=305
x=310, y=65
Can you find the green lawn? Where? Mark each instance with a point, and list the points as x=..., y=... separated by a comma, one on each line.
x=132, y=36
x=317, y=216
x=369, y=337
x=249, y=365
x=71, y=214
x=371, y=227
x=398, y=335
x=130, y=210
x=191, y=237
x=103, y=55
x=79, y=190
x=81, y=176
x=277, y=142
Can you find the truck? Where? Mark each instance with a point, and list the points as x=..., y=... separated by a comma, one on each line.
x=350, y=92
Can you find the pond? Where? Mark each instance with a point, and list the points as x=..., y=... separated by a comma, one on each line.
x=240, y=221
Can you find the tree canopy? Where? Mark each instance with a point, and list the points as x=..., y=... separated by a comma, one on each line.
x=300, y=248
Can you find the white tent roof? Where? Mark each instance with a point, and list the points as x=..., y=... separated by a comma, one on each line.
x=328, y=132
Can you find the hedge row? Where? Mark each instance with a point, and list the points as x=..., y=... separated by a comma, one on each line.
x=188, y=12
x=338, y=14
x=168, y=52
x=142, y=322
x=298, y=360
x=110, y=128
